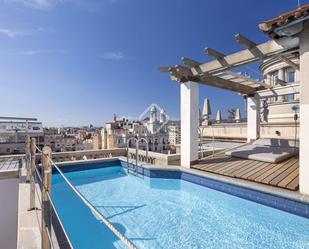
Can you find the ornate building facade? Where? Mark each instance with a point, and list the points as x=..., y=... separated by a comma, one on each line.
x=118, y=133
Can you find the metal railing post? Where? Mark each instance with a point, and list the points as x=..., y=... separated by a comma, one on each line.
x=32, y=176
x=136, y=152
x=27, y=153
x=46, y=189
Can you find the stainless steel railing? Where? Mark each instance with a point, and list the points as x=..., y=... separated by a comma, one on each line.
x=47, y=206
x=137, y=141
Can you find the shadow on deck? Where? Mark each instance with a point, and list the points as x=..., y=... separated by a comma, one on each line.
x=284, y=175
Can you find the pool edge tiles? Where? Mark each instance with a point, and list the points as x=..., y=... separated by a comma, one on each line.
x=281, y=203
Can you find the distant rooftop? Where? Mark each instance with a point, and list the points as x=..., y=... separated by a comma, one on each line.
x=18, y=118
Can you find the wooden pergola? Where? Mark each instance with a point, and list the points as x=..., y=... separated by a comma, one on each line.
x=218, y=73
x=289, y=35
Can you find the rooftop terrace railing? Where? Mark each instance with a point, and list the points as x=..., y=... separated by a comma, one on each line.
x=40, y=187
x=43, y=175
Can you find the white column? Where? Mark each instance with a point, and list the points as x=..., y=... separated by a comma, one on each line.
x=304, y=111
x=189, y=123
x=281, y=76
x=253, y=118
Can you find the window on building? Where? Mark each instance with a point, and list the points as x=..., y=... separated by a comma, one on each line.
x=290, y=75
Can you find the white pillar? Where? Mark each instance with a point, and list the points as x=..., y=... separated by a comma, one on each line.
x=253, y=118
x=304, y=111
x=189, y=123
x=281, y=76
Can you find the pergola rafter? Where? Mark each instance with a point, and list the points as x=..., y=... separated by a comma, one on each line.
x=218, y=72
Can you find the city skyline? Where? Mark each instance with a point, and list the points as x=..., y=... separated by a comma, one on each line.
x=76, y=62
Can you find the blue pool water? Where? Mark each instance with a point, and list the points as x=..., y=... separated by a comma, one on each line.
x=169, y=213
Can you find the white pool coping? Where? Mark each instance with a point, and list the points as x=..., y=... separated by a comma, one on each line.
x=284, y=193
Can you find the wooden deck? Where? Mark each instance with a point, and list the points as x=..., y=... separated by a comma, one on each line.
x=283, y=175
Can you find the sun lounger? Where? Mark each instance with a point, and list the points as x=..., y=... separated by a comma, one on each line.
x=266, y=150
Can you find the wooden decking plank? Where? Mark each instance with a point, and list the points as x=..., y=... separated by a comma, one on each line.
x=284, y=174
x=227, y=166
x=238, y=166
x=284, y=182
x=210, y=163
x=220, y=165
x=211, y=167
x=244, y=167
x=274, y=167
x=277, y=170
x=255, y=171
x=233, y=167
x=267, y=166
x=255, y=166
x=241, y=167
x=294, y=184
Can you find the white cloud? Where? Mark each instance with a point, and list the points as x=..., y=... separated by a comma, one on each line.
x=37, y=52
x=49, y=4
x=38, y=4
x=114, y=55
x=11, y=33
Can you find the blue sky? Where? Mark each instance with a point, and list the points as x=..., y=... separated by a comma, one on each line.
x=76, y=62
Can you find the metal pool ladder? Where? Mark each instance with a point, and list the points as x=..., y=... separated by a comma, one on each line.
x=137, y=141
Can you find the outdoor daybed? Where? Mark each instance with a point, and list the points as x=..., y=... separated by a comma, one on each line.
x=266, y=150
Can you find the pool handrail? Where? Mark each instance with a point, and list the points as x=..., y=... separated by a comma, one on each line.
x=136, y=153
x=121, y=236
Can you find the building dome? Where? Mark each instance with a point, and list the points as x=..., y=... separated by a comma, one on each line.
x=162, y=116
x=153, y=114
x=153, y=109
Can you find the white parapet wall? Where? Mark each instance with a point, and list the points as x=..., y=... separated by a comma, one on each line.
x=238, y=131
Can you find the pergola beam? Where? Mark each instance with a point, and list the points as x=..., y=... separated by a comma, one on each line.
x=213, y=53
x=289, y=62
x=238, y=75
x=233, y=83
x=267, y=49
x=279, y=91
x=215, y=81
x=165, y=69
x=245, y=41
x=189, y=62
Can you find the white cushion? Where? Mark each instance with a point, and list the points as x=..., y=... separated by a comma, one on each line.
x=263, y=153
x=273, y=142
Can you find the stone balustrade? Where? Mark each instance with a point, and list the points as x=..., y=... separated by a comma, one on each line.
x=155, y=158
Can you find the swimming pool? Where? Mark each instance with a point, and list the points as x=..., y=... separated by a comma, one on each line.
x=167, y=212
